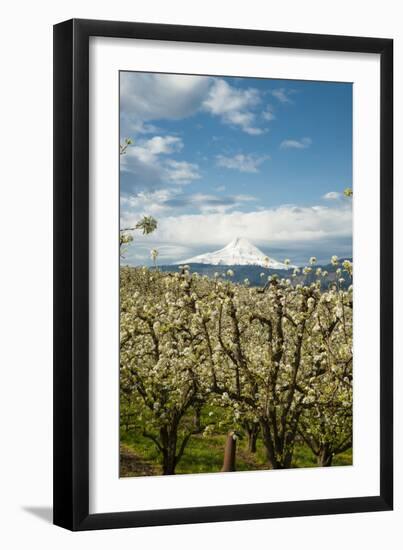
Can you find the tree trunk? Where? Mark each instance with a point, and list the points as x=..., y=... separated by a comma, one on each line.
x=275, y=458
x=252, y=439
x=279, y=454
x=269, y=446
x=229, y=454
x=287, y=461
x=168, y=465
x=197, y=418
x=325, y=456
x=253, y=431
x=169, y=440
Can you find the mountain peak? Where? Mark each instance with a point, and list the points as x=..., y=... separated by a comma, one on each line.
x=239, y=251
x=238, y=242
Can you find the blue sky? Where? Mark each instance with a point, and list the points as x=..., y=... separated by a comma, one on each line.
x=217, y=157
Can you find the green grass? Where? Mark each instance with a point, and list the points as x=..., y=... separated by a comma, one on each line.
x=205, y=454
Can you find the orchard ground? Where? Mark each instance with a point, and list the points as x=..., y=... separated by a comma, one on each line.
x=139, y=456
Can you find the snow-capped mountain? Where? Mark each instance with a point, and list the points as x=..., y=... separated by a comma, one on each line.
x=238, y=252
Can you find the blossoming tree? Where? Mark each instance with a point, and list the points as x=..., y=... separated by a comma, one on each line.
x=162, y=358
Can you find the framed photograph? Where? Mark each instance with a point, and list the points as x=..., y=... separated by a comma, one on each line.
x=216, y=193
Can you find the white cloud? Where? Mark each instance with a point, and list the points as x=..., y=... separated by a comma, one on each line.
x=146, y=162
x=268, y=114
x=241, y=162
x=214, y=204
x=181, y=172
x=147, y=150
x=282, y=95
x=303, y=143
x=164, y=201
x=233, y=105
x=147, y=96
x=132, y=127
x=254, y=131
x=146, y=203
x=332, y=196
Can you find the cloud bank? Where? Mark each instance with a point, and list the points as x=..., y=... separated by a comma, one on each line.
x=288, y=228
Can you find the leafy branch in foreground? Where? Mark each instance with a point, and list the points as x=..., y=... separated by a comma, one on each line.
x=147, y=225
x=123, y=146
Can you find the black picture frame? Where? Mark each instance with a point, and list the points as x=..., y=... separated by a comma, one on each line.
x=72, y=285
